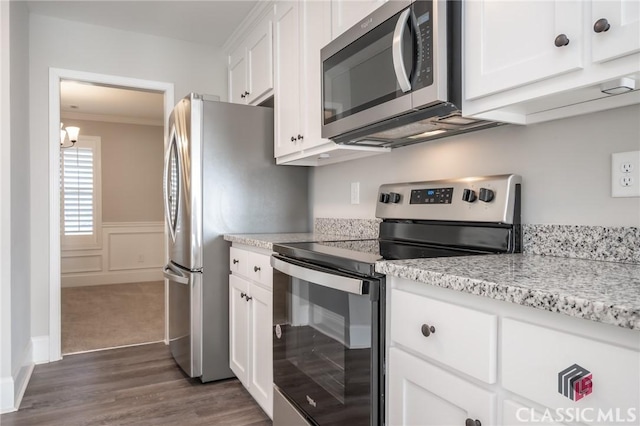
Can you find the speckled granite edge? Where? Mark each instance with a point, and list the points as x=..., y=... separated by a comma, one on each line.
x=359, y=228
x=625, y=315
x=266, y=241
x=610, y=244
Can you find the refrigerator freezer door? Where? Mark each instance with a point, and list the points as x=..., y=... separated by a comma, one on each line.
x=185, y=313
x=183, y=184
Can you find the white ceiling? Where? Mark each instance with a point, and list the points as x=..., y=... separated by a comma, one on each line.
x=113, y=104
x=208, y=22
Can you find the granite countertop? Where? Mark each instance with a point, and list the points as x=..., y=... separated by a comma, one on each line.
x=266, y=241
x=606, y=292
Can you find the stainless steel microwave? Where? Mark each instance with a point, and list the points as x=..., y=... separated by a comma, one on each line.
x=394, y=78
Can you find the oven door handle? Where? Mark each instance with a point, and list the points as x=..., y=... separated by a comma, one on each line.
x=337, y=282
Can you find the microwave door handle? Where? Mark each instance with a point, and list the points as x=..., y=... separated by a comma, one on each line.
x=337, y=282
x=396, y=49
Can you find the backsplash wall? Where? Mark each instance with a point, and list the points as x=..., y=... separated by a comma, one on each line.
x=564, y=164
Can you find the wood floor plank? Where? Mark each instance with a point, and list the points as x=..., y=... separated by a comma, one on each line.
x=139, y=385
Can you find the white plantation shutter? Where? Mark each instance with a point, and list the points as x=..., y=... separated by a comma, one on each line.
x=80, y=194
x=78, y=191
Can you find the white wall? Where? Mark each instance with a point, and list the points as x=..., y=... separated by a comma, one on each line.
x=16, y=354
x=79, y=47
x=565, y=166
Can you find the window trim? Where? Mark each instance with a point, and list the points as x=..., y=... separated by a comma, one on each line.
x=94, y=241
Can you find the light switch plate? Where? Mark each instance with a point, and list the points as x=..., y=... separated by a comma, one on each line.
x=625, y=174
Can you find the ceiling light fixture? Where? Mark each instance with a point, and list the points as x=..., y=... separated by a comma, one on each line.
x=72, y=132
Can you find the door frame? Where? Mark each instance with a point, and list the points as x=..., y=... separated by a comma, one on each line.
x=56, y=75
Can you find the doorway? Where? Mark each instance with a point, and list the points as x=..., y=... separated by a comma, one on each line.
x=109, y=262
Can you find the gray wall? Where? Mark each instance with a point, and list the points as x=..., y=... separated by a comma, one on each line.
x=20, y=234
x=132, y=163
x=15, y=309
x=565, y=166
x=81, y=47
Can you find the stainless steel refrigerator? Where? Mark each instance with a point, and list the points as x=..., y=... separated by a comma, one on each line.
x=220, y=177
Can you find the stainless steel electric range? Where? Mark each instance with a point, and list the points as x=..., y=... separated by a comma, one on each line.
x=328, y=301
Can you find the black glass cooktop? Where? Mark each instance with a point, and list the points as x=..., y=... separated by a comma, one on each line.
x=360, y=256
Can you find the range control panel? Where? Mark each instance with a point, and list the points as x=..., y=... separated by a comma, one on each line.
x=474, y=199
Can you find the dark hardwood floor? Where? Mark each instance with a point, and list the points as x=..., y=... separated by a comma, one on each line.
x=138, y=385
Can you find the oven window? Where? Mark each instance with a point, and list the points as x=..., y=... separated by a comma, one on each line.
x=322, y=349
x=361, y=75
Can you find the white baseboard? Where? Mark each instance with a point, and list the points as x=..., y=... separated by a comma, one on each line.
x=119, y=277
x=6, y=395
x=12, y=388
x=40, y=347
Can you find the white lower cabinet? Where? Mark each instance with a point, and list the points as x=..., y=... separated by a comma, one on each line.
x=423, y=394
x=250, y=318
x=459, y=359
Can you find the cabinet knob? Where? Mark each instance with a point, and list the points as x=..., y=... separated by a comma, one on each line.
x=561, y=40
x=472, y=422
x=300, y=137
x=601, y=25
x=256, y=268
x=243, y=295
x=246, y=93
x=235, y=261
x=293, y=138
x=242, y=95
x=247, y=297
x=427, y=330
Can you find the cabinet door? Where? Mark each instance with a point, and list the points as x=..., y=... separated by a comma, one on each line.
x=346, y=13
x=315, y=34
x=260, y=60
x=422, y=394
x=237, y=76
x=287, y=83
x=623, y=36
x=261, y=384
x=513, y=43
x=239, y=328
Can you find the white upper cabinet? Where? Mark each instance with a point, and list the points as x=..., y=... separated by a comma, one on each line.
x=288, y=137
x=301, y=29
x=346, y=13
x=511, y=43
x=616, y=29
x=250, y=70
x=533, y=61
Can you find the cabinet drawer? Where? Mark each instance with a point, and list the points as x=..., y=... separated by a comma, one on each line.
x=464, y=339
x=422, y=394
x=259, y=269
x=238, y=261
x=536, y=362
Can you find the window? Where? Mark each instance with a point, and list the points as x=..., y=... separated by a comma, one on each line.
x=80, y=194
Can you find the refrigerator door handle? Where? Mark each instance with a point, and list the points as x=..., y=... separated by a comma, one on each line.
x=173, y=275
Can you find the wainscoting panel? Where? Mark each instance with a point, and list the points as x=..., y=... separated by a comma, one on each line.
x=139, y=250
x=130, y=252
x=85, y=262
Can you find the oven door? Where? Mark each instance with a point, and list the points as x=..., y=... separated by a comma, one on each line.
x=327, y=342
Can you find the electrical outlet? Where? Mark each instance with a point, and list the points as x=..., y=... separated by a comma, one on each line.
x=625, y=174
x=355, y=192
